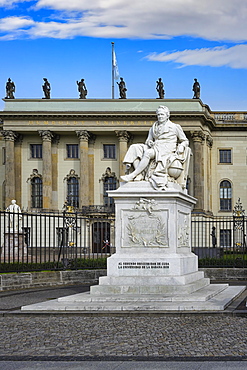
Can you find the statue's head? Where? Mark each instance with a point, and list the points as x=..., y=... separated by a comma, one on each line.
x=163, y=109
x=13, y=201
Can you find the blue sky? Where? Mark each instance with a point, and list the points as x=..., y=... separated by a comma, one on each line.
x=177, y=40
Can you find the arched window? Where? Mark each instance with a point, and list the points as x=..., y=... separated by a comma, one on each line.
x=110, y=182
x=36, y=192
x=225, y=196
x=73, y=192
x=72, y=189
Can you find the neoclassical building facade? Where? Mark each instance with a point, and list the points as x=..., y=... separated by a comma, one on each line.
x=62, y=150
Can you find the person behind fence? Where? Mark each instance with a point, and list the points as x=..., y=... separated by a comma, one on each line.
x=15, y=216
x=165, y=146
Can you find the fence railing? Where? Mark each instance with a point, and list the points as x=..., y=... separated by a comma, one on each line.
x=48, y=241
x=219, y=241
x=34, y=241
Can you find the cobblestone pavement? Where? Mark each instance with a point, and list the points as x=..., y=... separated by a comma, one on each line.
x=112, y=336
x=116, y=337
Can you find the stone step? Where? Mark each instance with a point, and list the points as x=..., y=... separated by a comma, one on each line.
x=85, y=302
x=155, y=289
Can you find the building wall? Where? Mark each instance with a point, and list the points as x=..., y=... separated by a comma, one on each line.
x=104, y=120
x=234, y=172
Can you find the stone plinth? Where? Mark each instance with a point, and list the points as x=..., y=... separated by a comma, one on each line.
x=14, y=246
x=153, y=246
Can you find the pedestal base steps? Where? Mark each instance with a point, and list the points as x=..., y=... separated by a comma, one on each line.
x=213, y=298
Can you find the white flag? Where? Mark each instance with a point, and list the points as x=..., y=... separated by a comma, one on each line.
x=115, y=67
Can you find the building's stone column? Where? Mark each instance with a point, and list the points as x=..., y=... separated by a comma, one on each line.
x=198, y=138
x=208, y=188
x=9, y=137
x=84, y=167
x=123, y=137
x=47, y=168
x=91, y=168
x=54, y=164
x=18, y=170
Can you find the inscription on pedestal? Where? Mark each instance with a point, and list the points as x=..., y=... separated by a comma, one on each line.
x=143, y=265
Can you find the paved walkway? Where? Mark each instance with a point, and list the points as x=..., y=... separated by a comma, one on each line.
x=123, y=365
x=116, y=338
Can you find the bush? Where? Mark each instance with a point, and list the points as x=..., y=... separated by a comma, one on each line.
x=78, y=264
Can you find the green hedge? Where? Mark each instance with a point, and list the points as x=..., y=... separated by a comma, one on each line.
x=79, y=264
x=222, y=262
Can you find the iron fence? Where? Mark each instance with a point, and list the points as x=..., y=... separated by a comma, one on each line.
x=72, y=240
x=35, y=241
x=219, y=241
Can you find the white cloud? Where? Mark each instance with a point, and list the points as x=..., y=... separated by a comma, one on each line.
x=15, y=23
x=10, y=3
x=156, y=19
x=234, y=57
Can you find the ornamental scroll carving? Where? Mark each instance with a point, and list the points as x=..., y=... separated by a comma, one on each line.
x=197, y=136
x=46, y=135
x=9, y=135
x=83, y=135
x=183, y=230
x=146, y=228
x=123, y=135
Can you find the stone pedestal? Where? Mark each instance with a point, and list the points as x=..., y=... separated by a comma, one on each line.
x=153, y=269
x=153, y=243
x=14, y=246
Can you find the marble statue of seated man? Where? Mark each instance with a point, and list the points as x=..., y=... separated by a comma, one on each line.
x=164, y=157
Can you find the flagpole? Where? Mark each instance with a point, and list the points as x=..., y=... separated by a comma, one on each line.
x=112, y=72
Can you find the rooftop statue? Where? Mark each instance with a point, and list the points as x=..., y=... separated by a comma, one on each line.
x=10, y=89
x=47, y=89
x=163, y=158
x=82, y=89
x=196, y=88
x=160, y=88
x=122, y=88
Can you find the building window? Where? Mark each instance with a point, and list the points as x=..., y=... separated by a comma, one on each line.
x=225, y=238
x=110, y=182
x=73, y=192
x=225, y=155
x=72, y=181
x=225, y=196
x=36, y=150
x=109, y=151
x=36, y=192
x=72, y=151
